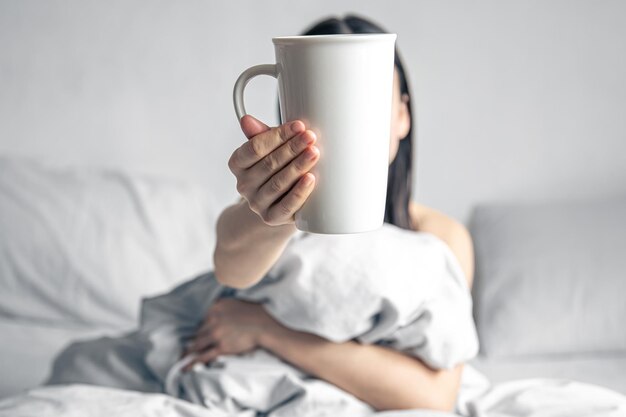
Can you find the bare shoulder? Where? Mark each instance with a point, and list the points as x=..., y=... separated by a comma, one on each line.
x=451, y=231
x=423, y=216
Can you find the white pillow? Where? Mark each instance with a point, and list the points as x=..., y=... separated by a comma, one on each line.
x=82, y=247
x=551, y=278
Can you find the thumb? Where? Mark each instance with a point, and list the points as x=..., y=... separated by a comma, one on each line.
x=251, y=126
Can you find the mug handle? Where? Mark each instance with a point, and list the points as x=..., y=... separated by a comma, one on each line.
x=242, y=81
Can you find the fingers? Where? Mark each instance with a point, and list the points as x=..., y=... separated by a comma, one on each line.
x=260, y=145
x=252, y=126
x=270, y=166
x=280, y=183
x=209, y=321
x=202, y=342
x=203, y=337
x=293, y=201
x=209, y=356
x=204, y=357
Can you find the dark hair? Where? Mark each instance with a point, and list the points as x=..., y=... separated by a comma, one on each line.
x=399, y=180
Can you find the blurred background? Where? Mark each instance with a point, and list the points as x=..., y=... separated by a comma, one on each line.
x=516, y=100
x=522, y=102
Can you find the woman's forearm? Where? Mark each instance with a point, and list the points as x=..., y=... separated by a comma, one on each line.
x=383, y=378
x=246, y=247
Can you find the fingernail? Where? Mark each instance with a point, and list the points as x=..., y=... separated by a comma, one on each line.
x=308, y=179
x=296, y=127
x=307, y=139
x=312, y=153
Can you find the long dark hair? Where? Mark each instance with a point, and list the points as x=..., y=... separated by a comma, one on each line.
x=399, y=181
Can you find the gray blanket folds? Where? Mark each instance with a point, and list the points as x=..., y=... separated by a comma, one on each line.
x=398, y=288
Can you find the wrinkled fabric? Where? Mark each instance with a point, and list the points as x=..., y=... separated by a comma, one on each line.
x=393, y=287
x=523, y=398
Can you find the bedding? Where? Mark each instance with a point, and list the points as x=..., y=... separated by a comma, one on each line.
x=411, y=296
x=608, y=370
x=79, y=249
x=550, y=278
x=525, y=398
x=260, y=382
x=547, y=397
x=28, y=349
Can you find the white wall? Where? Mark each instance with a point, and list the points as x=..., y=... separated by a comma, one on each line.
x=517, y=100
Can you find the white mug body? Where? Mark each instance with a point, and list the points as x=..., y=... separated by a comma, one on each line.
x=341, y=87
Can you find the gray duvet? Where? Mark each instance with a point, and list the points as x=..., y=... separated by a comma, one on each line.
x=398, y=288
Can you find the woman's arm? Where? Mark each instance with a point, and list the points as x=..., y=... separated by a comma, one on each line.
x=381, y=377
x=272, y=171
x=246, y=247
x=453, y=233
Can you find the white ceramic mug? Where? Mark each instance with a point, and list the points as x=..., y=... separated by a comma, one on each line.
x=341, y=87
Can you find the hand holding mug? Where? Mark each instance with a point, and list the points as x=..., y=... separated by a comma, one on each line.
x=272, y=168
x=341, y=87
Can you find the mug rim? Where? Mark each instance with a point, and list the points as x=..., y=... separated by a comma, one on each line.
x=350, y=37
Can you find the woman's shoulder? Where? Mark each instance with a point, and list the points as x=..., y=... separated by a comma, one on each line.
x=451, y=231
x=422, y=215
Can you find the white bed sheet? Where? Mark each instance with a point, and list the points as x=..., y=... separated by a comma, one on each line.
x=27, y=351
x=606, y=370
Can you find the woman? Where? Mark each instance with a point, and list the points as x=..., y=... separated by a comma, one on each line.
x=272, y=171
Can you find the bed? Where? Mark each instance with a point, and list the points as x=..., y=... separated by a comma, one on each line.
x=64, y=233
x=548, y=296
x=77, y=244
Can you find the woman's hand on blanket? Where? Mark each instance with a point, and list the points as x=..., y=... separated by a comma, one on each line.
x=272, y=168
x=230, y=327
